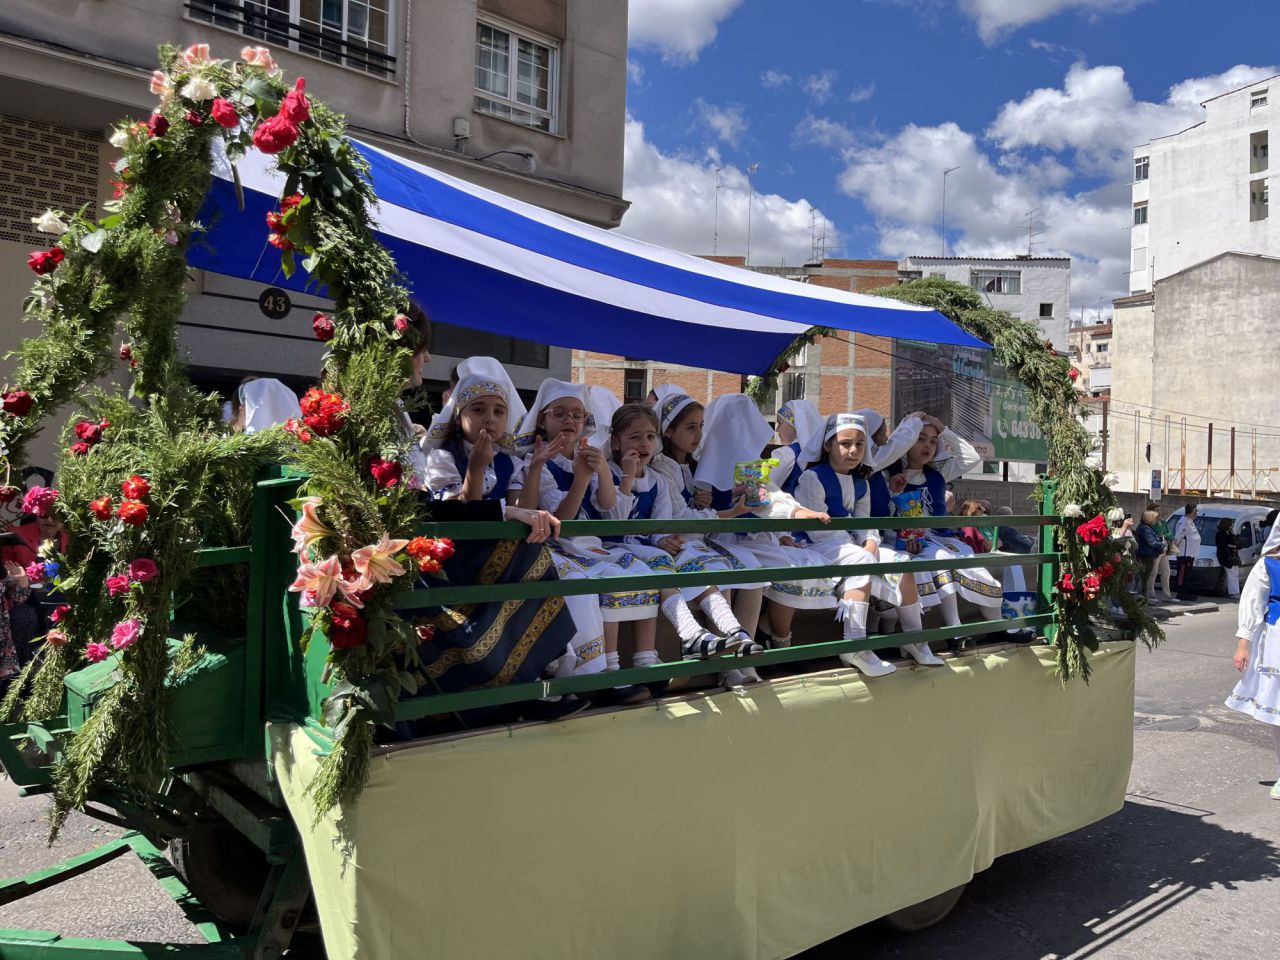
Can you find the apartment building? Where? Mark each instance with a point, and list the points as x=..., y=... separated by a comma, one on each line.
x=526, y=97
x=1206, y=190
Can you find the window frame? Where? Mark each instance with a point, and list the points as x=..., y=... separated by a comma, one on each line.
x=978, y=280
x=1141, y=168
x=628, y=374
x=515, y=33
x=1258, y=98
x=1142, y=206
x=219, y=14
x=1046, y=315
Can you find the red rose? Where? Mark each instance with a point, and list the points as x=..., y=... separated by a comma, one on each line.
x=193, y=117
x=101, y=508
x=136, y=488
x=90, y=432
x=224, y=111
x=157, y=125
x=8, y=494
x=1106, y=570
x=275, y=221
x=59, y=613
x=118, y=189
x=45, y=261
x=117, y=585
x=323, y=413
x=275, y=134
x=126, y=351
x=1066, y=584
x=291, y=201
x=430, y=565
x=17, y=402
x=1095, y=531
x=279, y=241
x=295, y=106
x=132, y=512
x=80, y=448
x=143, y=570
x=1092, y=584
x=294, y=425
x=401, y=323
x=1074, y=374
x=442, y=549
x=347, y=627
x=425, y=633
x=386, y=472
x=323, y=326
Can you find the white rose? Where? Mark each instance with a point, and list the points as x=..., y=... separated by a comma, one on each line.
x=199, y=89
x=1072, y=510
x=50, y=222
x=1115, y=514
x=119, y=138
x=1111, y=480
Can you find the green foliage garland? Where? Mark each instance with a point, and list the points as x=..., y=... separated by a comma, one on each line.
x=1094, y=574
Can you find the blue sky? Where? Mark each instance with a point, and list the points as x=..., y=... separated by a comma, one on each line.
x=855, y=107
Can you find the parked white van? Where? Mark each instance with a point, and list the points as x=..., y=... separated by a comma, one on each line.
x=1247, y=524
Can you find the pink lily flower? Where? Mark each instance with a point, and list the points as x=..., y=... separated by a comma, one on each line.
x=259, y=57
x=376, y=562
x=310, y=527
x=324, y=578
x=161, y=85
x=196, y=55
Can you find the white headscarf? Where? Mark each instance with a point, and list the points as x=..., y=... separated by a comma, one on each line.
x=267, y=402
x=664, y=390
x=604, y=402
x=551, y=391
x=801, y=414
x=491, y=368
x=873, y=419
x=1272, y=542
x=669, y=408
x=811, y=452
x=468, y=389
x=735, y=432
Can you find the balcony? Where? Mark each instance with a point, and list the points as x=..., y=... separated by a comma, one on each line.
x=354, y=35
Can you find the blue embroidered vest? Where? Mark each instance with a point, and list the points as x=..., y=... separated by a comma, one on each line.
x=935, y=491
x=789, y=482
x=641, y=510
x=1273, y=604
x=562, y=477
x=832, y=490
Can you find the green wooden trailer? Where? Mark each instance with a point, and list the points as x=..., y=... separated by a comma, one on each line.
x=706, y=823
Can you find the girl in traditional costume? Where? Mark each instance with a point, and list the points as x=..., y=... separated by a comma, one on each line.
x=645, y=494
x=1258, y=648
x=797, y=419
x=916, y=486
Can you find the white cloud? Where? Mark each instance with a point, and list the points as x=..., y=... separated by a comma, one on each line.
x=673, y=203
x=679, y=29
x=635, y=72
x=818, y=85
x=726, y=123
x=773, y=79
x=1066, y=152
x=813, y=131
x=862, y=93
x=997, y=18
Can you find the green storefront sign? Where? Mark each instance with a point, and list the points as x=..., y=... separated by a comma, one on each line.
x=1013, y=433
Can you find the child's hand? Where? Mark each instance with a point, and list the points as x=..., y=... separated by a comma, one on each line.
x=804, y=513
x=788, y=541
x=587, y=461
x=702, y=499
x=898, y=483
x=481, y=453
x=672, y=543
x=935, y=423
x=914, y=547
x=738, y=509
x=546, y=452
x=919, y=414
x=630, y=464
x=1241, y=658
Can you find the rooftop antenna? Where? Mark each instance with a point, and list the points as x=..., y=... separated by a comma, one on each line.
x=1035, y=229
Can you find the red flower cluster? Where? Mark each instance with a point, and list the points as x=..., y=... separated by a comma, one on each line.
x=386, y=472
x=8, y=494
x=17, y=402
x=89, y=434
x=1074, y=374
x=294, y=425
x=136, y=488
x=101, y=508
x=46, y=261
x=133, y=512
x=426, y=633
x=323, y=413
x=1106, y=570
x=430, y=553
x=322, y=326
x=193, y=117
x=292, y=200
x=126, y=353
x=1066, y=583
x=347, y=626
x=1095, y=531
x=224, y=111
x=281, y=131
x=157, y=125
x=1091, y=586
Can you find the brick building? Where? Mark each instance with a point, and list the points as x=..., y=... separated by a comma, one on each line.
x=836, y=373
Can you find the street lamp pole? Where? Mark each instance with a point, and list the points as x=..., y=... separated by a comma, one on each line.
x=751, y=196
x=944, y=207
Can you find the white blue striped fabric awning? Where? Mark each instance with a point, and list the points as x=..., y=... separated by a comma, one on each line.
x=478, y=259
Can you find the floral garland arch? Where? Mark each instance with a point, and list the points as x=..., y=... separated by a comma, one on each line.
x=146, y=478
x=1096, y=566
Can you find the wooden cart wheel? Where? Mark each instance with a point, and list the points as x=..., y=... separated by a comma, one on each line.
x=925, y=913
x=225, y=871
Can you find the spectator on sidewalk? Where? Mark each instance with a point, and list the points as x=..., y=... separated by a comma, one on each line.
x=1151, y=547
x=1228, y=556
x=1187, y=540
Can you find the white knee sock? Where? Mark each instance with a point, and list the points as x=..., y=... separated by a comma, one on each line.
x=681, y=617
x=950, y=610
x=909, y=614
x=645, y=658
x=779, y=643
x=854, y=615
x=611, y=661
x=715, y=606
x=992, y=611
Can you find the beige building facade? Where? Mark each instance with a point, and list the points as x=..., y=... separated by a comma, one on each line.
x=526, y=97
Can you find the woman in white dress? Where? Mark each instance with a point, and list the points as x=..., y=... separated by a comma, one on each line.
x=1258, y=648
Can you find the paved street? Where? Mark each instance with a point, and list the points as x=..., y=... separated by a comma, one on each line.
x=1187, y=870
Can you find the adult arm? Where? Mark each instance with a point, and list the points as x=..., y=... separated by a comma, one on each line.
x=900, y=441
x=963, y=459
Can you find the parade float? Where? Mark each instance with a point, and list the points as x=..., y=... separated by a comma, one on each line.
x=243, y=739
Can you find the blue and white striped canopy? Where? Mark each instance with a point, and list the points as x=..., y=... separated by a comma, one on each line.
x=476, y=258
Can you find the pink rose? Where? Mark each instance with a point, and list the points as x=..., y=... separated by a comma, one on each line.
x=117, y=585
x=39, y=501
x=55, y=637
x=59, y=613
x=125, y=634
x=96, y=652
x=143, y=570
